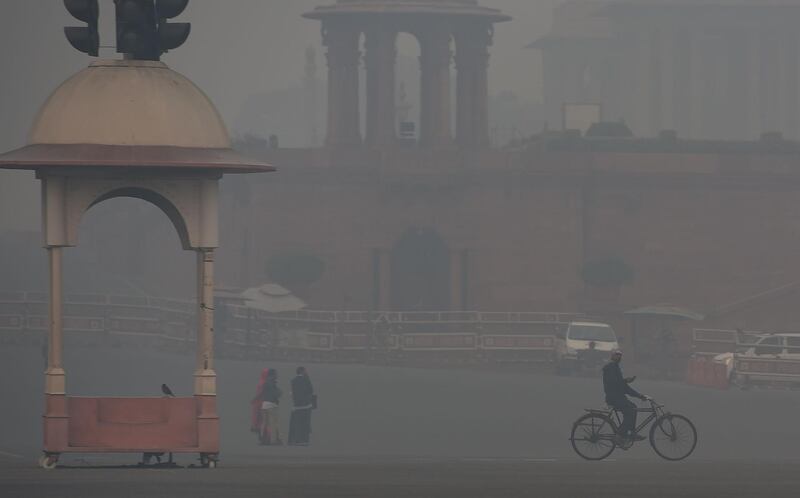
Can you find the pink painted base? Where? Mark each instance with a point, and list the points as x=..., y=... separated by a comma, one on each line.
x=131, y=425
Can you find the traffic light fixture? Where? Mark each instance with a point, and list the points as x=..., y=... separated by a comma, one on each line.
x=171, y=35
x=136, y=30
x=142, y=28
x=85, y=39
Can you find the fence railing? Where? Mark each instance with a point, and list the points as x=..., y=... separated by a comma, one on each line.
x=314, y=334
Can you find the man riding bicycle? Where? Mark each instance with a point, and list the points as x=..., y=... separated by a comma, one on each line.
x=617, y=389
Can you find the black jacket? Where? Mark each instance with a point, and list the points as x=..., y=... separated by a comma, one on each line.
x=614, y=384
x=272, y=392
x=302, y=390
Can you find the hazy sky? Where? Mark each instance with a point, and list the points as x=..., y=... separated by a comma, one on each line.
x=237, y=48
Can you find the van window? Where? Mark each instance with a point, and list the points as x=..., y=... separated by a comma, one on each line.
x=794, y=344
x=598, y=333
x=769, y=345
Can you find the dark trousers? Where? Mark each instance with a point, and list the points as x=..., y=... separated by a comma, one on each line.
x=628, y=410
x=300, y=426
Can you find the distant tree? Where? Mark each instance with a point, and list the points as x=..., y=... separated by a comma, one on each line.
x=295, y=270
x=607, y=272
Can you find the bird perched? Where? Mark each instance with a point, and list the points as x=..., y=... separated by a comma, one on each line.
x=167, y=391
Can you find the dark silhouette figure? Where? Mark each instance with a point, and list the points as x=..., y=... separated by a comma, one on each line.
x=304, y=401
x=617, y=390
x=167, y=391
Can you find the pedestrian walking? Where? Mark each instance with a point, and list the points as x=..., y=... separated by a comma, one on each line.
x=255, y=403
x=270, y=433
x=303, y=402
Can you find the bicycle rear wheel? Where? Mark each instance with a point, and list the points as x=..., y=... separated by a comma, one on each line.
x=673, y=437
x=593, y=436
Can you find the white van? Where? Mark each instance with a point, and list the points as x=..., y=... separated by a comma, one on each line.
x=584, y=343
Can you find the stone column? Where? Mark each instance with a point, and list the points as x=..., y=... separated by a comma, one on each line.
x=737, y=96
x=385, y=283
x=380, y=60
x=456, y=280
x=54, y=208
x=344, y=119
x=750, y=57
x=54, y=376
x=682, y=82
x=770, y=78
x=204, y=376
x=472, y=64
x=789, y=96
x=655, y=96
x=435, y=86
x=56, y=417
x=641, y=97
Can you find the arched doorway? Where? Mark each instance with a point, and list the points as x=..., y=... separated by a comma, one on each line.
x=420, y=271
x=407, y=85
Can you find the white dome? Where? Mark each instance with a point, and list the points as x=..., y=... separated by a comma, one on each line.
x=132, y=103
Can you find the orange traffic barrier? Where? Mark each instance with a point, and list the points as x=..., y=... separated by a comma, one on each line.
x=706, y=373
x=721, y=380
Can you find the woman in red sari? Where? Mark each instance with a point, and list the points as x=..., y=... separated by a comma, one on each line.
x=255, y=404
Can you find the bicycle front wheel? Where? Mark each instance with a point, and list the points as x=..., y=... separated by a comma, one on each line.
x=673, y=437
x=593, y=436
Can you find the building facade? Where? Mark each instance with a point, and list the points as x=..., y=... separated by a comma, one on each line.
x=707, y=69
x=453, y=224
x=701, y=224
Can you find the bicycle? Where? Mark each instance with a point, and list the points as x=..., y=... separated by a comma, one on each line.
x=595, y=435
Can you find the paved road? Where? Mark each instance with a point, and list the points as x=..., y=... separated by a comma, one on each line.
x=406, y=478
x=407, y=432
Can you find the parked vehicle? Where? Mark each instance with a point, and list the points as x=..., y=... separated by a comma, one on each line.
x=584, y=345
x=773, y=357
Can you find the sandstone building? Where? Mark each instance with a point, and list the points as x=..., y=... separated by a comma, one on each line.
x=707, y=68
x=445, y=222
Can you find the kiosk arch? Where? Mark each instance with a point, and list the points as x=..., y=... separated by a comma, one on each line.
x=156, y=199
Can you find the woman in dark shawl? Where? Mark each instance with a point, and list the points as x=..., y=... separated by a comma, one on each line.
x=303, y=401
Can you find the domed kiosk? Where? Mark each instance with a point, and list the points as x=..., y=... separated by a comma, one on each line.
x=435, y=23
x=130, y=128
